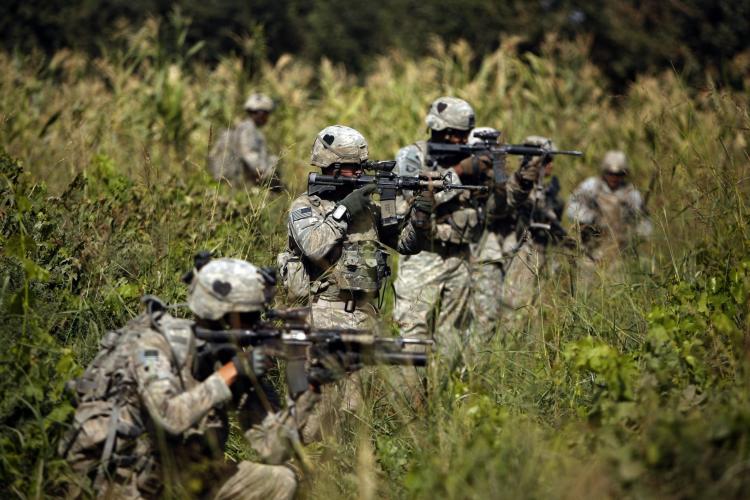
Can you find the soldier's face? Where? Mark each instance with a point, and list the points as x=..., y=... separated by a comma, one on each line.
x=450, y=136
x=350, y=170
x=548, y=168
x=260, y=118
x=457, y=136
x=614, y=181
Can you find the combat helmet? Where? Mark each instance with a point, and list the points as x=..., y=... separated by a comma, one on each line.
x=538, y=141
x=615, y=162
x=259, y=102
x=450, y=112
x=229, y=285
x=338, y=144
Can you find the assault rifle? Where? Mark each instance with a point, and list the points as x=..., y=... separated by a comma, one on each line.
x=311, y=353
x=387, y=183
x=452, y=154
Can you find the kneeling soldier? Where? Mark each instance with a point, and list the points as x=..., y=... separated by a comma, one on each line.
x=144, y=425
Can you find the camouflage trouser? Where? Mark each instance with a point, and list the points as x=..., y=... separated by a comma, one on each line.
x=432, y=294
x=486, y=297
x=522, y=281
x=254, y=481
x=344, y=395
x=251, y=481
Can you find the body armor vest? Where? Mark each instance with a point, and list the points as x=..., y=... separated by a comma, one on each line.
x=362, y=267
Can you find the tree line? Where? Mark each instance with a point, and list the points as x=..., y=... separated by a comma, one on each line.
x=628, y=37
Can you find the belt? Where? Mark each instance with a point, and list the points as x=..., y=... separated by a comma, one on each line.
x=446, y=250
x=343, y=305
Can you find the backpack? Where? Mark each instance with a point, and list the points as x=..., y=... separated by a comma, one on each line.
x=223, y=160
x=106, y=408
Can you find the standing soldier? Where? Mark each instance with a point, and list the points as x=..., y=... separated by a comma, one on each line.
x=336, y=260
x=537, y=226
x=144, y=426
x=493, y=255
x=433, y=287
x=608, y=210
x=240, y=155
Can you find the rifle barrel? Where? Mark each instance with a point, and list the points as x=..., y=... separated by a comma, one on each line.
x=401, y=358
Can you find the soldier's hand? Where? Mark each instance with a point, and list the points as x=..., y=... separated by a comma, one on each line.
x=423, y=206
x=251, y=364
x=425, y=201
x=530, y=170
x=356, y=201
x=474, y=167
x=327, y=369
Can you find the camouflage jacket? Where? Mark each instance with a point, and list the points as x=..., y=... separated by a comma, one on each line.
x=329, y=246
x=461, y=217
x=240, y=155
x=140, y=408
x=614, y=215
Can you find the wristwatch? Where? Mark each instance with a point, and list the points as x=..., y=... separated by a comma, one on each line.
x=339, y=213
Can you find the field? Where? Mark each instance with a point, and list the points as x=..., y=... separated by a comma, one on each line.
x=636, y=386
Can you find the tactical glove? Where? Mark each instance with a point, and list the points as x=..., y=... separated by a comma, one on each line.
x=356, y=201
x=252, y=364
x=475, y=167
x=423, y=206
x=425, y=202
x=529, y=171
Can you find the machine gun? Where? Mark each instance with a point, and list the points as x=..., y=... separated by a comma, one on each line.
x=310, y=353
x=387, y=183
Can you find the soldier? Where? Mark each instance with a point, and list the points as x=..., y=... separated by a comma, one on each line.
x=144, y=425
x=434, y=289
x=440, y=275
x=240, y=155
x=494, y=253
x=608, y=210
x=537, y=226
x=336, y=260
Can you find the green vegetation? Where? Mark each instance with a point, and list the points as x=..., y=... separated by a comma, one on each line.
x=637, y=385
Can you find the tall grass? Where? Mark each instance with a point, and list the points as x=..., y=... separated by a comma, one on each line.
x=635, y=386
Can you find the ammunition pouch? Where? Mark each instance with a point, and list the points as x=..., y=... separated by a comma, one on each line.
x=294, y=276
x=459, y=226
x=362, y=267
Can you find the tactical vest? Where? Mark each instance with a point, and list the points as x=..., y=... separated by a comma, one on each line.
x=362, y=267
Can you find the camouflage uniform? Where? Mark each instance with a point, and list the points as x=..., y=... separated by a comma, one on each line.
x=433, y=287
x=495, y=250
x=240, y=155
x=338, y=264
x=344, y=260
x=527, y=257
x=143, y=420
x=608, y=219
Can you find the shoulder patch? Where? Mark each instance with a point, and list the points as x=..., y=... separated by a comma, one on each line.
x=148, y=358
x=301, y=213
